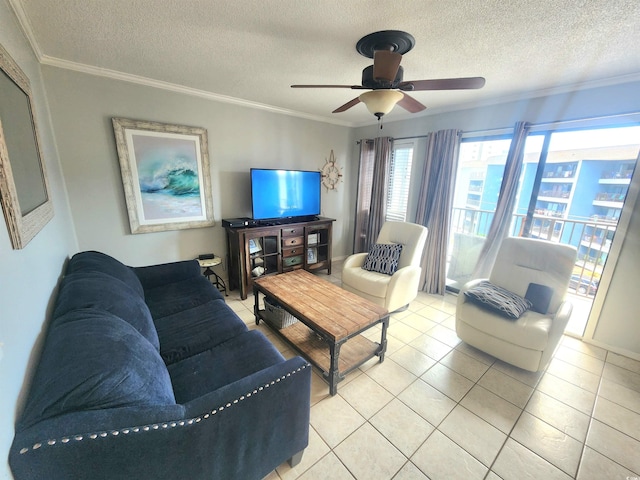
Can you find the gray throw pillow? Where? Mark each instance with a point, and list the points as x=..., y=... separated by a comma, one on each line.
x=539, y=296
x=498, y=299
x=383, y=258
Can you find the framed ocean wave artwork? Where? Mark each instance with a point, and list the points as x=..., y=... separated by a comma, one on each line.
x=165, y=174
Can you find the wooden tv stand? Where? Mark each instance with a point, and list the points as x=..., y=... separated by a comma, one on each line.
x=255, y=251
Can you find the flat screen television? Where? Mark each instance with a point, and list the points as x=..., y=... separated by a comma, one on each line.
x=284, y=194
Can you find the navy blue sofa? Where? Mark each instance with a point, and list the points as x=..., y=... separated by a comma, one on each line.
x=146, y=373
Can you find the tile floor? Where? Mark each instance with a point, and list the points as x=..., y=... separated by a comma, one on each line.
x=439, y=409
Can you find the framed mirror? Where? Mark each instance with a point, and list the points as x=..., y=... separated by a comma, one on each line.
x=24, y=191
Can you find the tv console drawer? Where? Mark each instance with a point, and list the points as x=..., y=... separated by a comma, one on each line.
x=292, y=231
x=292, y=261
x=290, y=252
x=292, y=241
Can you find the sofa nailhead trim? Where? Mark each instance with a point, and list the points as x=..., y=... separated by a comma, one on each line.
x=155, y=426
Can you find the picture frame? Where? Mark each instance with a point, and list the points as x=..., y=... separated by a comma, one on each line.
x=165, y=174
x=312, y=255
x=24, y=188
x=254, y=245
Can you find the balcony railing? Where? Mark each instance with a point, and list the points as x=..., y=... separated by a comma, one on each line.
x=554, y=194
x=562, y=174
x=618, y=174
x=543, y=212
x=610, y=197
x=588, y=236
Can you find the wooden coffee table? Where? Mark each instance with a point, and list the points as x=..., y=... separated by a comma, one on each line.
x=331, y=321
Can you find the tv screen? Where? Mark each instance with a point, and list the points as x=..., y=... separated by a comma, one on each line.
x=283, y=194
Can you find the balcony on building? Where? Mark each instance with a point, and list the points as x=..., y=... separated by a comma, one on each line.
x=609, y=200
x=619, y=176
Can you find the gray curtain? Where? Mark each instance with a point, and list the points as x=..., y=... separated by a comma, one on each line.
x=503, y=215
x=435, y=204
x=373, y=182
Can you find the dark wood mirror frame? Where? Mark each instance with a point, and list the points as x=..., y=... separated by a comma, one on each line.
x=24, y=191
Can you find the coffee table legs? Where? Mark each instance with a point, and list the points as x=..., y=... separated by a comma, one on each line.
x=334, y=371
x=256, y=304
x=383, y=339
x=334, y=350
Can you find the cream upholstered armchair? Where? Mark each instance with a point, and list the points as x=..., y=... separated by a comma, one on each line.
x=526, y=286
x=396, y=290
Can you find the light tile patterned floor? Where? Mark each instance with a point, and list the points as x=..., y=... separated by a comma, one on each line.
x=439, y=409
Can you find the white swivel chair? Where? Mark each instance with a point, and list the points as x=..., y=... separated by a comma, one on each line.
x=390, y=291
x=529, y=341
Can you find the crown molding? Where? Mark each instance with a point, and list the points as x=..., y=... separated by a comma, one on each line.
x=149, y=82
x=25, y=24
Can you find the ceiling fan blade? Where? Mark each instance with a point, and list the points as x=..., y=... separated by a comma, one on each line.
x=410, y=104
x=385, y=65
x=347, y=105
x=443, y=84
x=353, y=87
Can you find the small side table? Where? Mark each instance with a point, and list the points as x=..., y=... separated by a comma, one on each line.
x=217, y=281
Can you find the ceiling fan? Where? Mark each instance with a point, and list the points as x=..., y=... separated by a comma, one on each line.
x=385, y=77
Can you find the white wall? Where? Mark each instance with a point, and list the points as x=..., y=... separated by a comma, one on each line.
x=29, y=276
x=617, y=323
x=239, y=138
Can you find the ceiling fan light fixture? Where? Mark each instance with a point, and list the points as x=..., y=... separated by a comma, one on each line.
x=381, y=102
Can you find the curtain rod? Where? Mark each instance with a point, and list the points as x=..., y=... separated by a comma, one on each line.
x=411, y=138
x=537, y=126
x=405, y=138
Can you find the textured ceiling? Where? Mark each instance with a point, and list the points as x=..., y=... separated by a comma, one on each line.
x=251, y=51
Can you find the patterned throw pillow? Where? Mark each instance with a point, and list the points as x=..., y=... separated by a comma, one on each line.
x=383, y=258
x=498, y=299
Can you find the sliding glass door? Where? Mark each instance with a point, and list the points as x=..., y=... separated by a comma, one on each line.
x=584, y=181
x=572, y=190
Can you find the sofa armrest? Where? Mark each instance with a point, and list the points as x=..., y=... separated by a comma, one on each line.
x=403, y=287
x=355, y=260
x=406, y=278
x=243, y=430
x=462, y=298
x=558, y=324
x=156, y=275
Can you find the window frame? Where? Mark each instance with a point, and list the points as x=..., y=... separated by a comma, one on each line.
x=400, y=208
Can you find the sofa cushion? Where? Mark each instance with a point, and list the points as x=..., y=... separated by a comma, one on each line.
x=530, y=331
x=153, y=276
x=223, y=364
x=498, y=299
x=383, y=258
x=99, y=262
x=104, y=292
x=95, y=360
x=197, y=329
x=178, y=296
